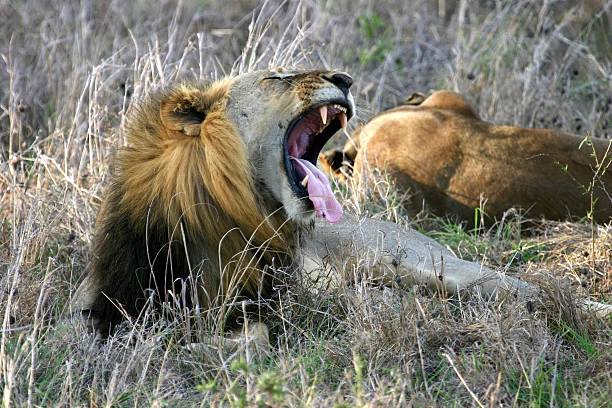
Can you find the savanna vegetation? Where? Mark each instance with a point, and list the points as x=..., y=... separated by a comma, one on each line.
x=69, y=70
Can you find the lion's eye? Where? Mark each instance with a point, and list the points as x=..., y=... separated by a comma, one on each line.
x=281, y=77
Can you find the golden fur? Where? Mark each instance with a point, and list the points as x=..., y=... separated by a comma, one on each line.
x=446, y=156
x=192, y=173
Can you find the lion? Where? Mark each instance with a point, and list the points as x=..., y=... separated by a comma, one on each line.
x=218, y=189
x=439, y=150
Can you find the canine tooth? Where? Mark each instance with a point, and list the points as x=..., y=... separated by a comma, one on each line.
x=323, y=112
x=343, y=120
x=305, y=181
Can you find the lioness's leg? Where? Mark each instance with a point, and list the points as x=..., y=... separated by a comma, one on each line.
x=397, y=255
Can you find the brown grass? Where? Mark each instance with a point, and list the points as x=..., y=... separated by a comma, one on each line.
x=68, y=73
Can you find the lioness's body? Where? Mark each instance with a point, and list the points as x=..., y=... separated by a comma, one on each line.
x=448, y=158
x=211, y=191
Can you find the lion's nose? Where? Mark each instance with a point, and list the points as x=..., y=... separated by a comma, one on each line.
x=342, y=81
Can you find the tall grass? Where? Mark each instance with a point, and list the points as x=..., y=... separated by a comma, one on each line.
x=69, y=71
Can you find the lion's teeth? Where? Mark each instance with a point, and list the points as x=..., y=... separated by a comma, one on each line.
x=343, y=120
x=323, y=112
x=339, y=107
x=305, y=181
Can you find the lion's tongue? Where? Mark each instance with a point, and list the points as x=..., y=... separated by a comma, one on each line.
x=319, y=191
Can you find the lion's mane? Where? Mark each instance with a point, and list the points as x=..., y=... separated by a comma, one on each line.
x=184, y=181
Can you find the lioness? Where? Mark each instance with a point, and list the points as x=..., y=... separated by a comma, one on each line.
x=440, y=150
x=218, y=186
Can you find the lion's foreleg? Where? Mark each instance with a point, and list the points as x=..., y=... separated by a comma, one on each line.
x=394, y=255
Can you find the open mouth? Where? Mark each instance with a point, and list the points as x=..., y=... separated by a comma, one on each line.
x=304, y=140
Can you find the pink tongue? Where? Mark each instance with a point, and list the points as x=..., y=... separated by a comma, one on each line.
x=319, y=191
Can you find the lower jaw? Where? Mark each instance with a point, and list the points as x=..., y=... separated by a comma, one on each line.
x=305, y=213
x=308, y=219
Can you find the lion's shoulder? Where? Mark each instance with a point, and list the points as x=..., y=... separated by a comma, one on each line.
x=450, y=101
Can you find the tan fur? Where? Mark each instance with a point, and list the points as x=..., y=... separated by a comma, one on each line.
x=447, y=157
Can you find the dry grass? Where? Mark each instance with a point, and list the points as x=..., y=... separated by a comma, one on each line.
x=68, y=73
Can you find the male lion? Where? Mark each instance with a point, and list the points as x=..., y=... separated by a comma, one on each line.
x=218, y=186
x=446, y=156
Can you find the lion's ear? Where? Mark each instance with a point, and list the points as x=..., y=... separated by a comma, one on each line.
x=416, y=98
x=183, y=113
